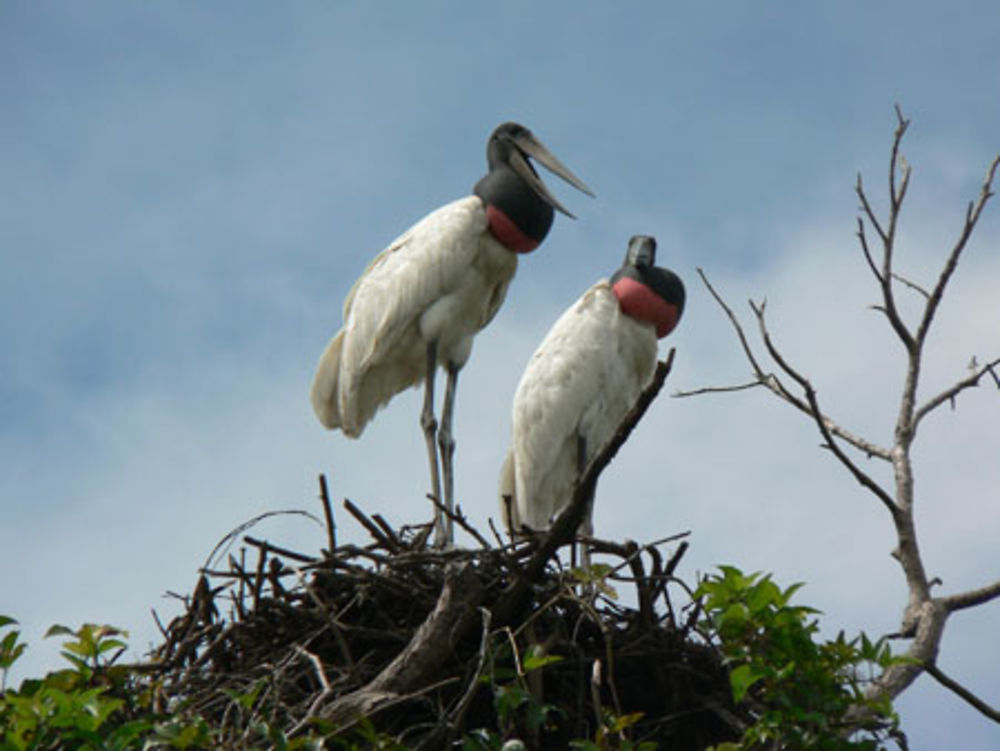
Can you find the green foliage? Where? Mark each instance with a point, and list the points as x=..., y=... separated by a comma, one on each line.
x=520, y=714
x=77, y=708
x=800, y=690
x=518, y=709
x=96, y=705
x=10, y=648
x=612, y=735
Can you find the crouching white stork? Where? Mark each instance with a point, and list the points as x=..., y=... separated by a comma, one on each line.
x=581, y=382
x=421, y=301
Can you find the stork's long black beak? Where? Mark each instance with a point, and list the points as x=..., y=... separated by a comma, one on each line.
x=528, y=145
x=641, y=251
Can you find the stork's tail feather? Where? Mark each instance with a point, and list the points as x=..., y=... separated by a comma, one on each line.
x=326, y=384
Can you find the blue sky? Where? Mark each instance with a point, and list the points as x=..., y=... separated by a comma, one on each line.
x=189, y=189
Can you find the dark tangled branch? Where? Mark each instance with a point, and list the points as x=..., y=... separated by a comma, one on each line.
x=406, y=635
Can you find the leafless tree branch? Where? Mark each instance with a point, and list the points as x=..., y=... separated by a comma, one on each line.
x=963, y=692
x=747, y=349
x=973, y=597
x=911, y=284
x=718, y=389
x=924, y=616
x=817, y=414
x=863, y=238
x=949, y=394
x=776, y=386
x=972, y=214
x=888, y=235
x=872, y=219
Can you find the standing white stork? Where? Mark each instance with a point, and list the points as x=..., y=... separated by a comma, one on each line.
x=581, y=382
x=421, y=301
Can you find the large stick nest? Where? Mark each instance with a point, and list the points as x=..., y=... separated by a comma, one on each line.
x=428, y=645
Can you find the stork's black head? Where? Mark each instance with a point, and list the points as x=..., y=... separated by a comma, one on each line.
x=648, y=292
x=514, y=188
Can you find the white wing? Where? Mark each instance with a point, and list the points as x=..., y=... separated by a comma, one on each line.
x=580, y=383
x=441, y=264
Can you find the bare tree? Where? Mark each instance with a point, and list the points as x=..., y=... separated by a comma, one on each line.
x=925, y=615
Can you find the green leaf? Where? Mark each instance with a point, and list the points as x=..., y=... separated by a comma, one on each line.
x=618, y=724
x=762, y=595
x=245, y=699
x=742, y=678
x=734, y=617
x=59, y=630
x=535, y=662
x=10, y=649
x=786, y=596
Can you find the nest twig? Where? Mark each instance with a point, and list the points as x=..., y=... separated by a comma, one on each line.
x=436, y=635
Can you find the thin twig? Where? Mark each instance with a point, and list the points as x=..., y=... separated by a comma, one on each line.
x=911, y=284
x=817, y=414
x=388, y=530
x=747, y=349
x=265, y=545
x=971, y=218
x=458, y=517
x=258, y=580
x=373, y=529
x=718, y=389
x=331, y=527
x=949, y=394
x=458, y=713
x=863, y=238
x=335, y=627
x=233, y=535
x=888, y=235
x=321, y=697
x=962, y=692
x=872, y=219
x=775, y=386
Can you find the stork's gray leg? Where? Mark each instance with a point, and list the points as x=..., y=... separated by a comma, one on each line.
x=447, y=443
x=587, y=530
x=587, y=525
x=429, y=424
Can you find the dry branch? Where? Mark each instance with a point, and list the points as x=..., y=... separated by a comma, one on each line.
x=416, y=666
x=963, y=692
x=774, y=384
x=924, y=617
x=822, y=422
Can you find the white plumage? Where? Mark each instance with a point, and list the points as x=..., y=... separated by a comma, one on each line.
x=579, y=384
x=422, y=300
x=443, y=280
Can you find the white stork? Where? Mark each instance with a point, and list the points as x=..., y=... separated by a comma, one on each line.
x=421, y=301
x=580, y=383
